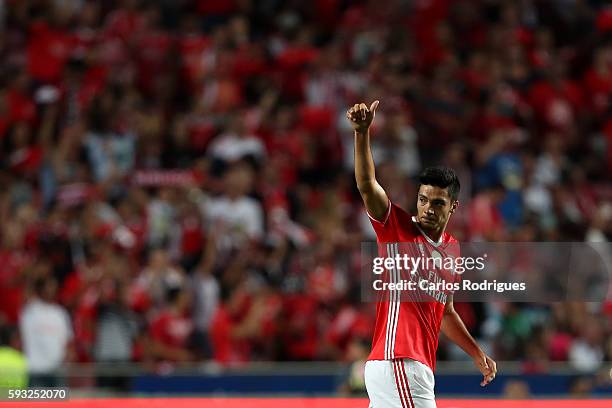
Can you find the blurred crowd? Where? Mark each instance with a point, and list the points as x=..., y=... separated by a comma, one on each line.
x=177, y=180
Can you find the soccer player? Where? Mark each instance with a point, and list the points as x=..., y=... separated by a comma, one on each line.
x=399, y=370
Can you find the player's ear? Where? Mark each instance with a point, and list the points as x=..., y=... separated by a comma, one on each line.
x=454, y=206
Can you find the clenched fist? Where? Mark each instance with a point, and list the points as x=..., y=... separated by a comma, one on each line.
x=361, y=116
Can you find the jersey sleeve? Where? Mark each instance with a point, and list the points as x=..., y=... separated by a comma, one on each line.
x=387, y=229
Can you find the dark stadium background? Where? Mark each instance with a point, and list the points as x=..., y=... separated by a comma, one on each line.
x=182, y=171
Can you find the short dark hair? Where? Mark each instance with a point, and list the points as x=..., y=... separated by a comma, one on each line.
x=40, y=284
x=443, y=177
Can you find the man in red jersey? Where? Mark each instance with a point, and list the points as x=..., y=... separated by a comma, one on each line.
x=399, y=371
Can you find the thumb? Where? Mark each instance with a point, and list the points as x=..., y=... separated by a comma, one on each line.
x=484, y=364
x=374, y=106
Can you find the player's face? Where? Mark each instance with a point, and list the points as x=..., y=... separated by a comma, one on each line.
x=434, y=207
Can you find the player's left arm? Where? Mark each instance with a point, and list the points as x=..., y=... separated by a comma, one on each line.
x=454, y=329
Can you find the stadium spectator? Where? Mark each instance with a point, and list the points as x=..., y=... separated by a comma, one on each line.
x=13, y=364
x=235, y=144
x=46, y=331
x=357, y=354
x=117, y=329
x=206, y=301
x=171, y=328
x=586, y=353
x=236, y=218
x=160, y=275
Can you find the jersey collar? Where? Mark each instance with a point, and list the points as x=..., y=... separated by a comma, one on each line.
x=431, y=241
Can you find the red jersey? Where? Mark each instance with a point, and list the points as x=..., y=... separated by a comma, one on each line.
x=171, y=328
x=408, y=329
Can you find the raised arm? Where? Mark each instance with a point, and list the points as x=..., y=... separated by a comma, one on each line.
x=373, y=195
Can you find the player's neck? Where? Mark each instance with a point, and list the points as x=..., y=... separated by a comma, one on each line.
x=434, y=235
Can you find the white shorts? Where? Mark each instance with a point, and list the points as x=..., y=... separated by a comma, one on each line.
x=401, y=383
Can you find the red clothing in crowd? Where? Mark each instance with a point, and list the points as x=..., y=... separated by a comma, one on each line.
x=171, y=328
x=556, y=106
x=191, y=48
x=153, y=53
x=226, y=347
x=301, y=334
x=598, y=88
x=485, y=218
x=48, y=51
x=21, y=107
x=12, y=264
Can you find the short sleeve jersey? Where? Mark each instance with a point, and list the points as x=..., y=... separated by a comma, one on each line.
x=404, y=328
